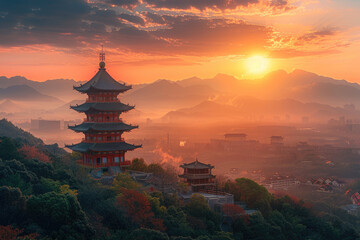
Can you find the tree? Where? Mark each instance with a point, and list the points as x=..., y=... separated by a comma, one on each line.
x=148, y=234
x=176, y=223
x=54, y=210
x=235, y=211
x=31, y=152
x=124, y=180
x=138, y=209
x=138, y=164
x=12, y=233
x=248, y=191
x=198, y=208
x=8, y=149
x=65, y=189
x=156, y=169
x=12, y=205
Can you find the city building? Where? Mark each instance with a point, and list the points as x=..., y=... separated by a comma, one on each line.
x=355, y=198
x=241, y=137
x=280, y=182
x=45, y=125
x=103, y=145
x=198, y=176
x=276, y=140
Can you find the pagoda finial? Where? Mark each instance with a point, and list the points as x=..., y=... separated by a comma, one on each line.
x=102, y=57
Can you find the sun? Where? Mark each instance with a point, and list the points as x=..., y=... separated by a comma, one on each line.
x=257, y=64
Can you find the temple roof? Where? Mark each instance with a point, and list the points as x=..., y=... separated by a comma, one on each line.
x=112, y=126
x=196, y=176
x=103, y=106
x=102, y=147
x=102, y=81
x=196, y=165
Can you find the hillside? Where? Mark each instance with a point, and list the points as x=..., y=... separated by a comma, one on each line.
x=26, y=93
x=59, y=88
x=241, y=108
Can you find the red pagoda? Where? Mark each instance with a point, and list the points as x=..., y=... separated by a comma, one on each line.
x=198, y=176
x=103, y=145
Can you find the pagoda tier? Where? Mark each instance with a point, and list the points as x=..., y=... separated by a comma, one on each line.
x=102, y=107
x=104, y=126
x=102, y=81
x=103, y=145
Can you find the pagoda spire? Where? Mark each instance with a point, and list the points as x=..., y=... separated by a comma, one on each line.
x=102, y=57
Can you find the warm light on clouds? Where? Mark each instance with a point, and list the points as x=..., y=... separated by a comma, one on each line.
x=150, y=39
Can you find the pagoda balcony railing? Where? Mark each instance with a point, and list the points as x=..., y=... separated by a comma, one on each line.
x=98, y=100
x=102, y=141
x=115, y=120
x=111, y=164
x=196, y=174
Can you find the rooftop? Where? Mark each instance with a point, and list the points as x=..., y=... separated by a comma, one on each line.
x=102, y=106
x=102, y=147
x=196, y=165
x=102, y=81
x=111, y=126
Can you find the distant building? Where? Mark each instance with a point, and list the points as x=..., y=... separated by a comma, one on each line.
x=305, y=120
x=198, y=175
x=276, y=140
x=215, y=201
x=45, y=125
x=236, y=137
x=280, y=182
x=355, y=198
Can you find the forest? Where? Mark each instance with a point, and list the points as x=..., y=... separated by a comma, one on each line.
x=44, y=194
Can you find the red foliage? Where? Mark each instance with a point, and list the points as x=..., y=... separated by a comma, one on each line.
x=280, y=194
x=12, y=233
x=138, y=208
x=235, y=211
x=31, y=152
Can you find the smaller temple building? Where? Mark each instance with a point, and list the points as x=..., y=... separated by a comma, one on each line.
x=198, y=176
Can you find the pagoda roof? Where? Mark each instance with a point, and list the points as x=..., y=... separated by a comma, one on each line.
x=102, y=147
x=102, y=106
x=88, y=126
x=196, y=165
x=196, y=176
x=102, y=81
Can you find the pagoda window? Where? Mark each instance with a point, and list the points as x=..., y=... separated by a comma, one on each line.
x=117, y=137
x=122, y=159
x=116, y=159
x=98, y=161
x=108, y=138
x=99, y=138
x=104, y=160
x=107, y=118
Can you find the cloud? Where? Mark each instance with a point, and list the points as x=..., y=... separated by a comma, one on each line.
x=80, y=24
x=316, y=35
x=200, y=4
x=132, y=18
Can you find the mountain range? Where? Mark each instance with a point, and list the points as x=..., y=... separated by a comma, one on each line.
x=298, y=92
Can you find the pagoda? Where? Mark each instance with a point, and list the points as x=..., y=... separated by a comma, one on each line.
x=198, y=176
x=103, y=145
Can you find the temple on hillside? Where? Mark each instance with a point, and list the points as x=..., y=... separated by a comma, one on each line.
x=103, y=145
x=198, y=176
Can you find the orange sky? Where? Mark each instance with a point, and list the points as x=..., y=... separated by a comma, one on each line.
x=150, y=39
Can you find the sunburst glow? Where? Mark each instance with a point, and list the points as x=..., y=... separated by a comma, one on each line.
x=257, y=64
